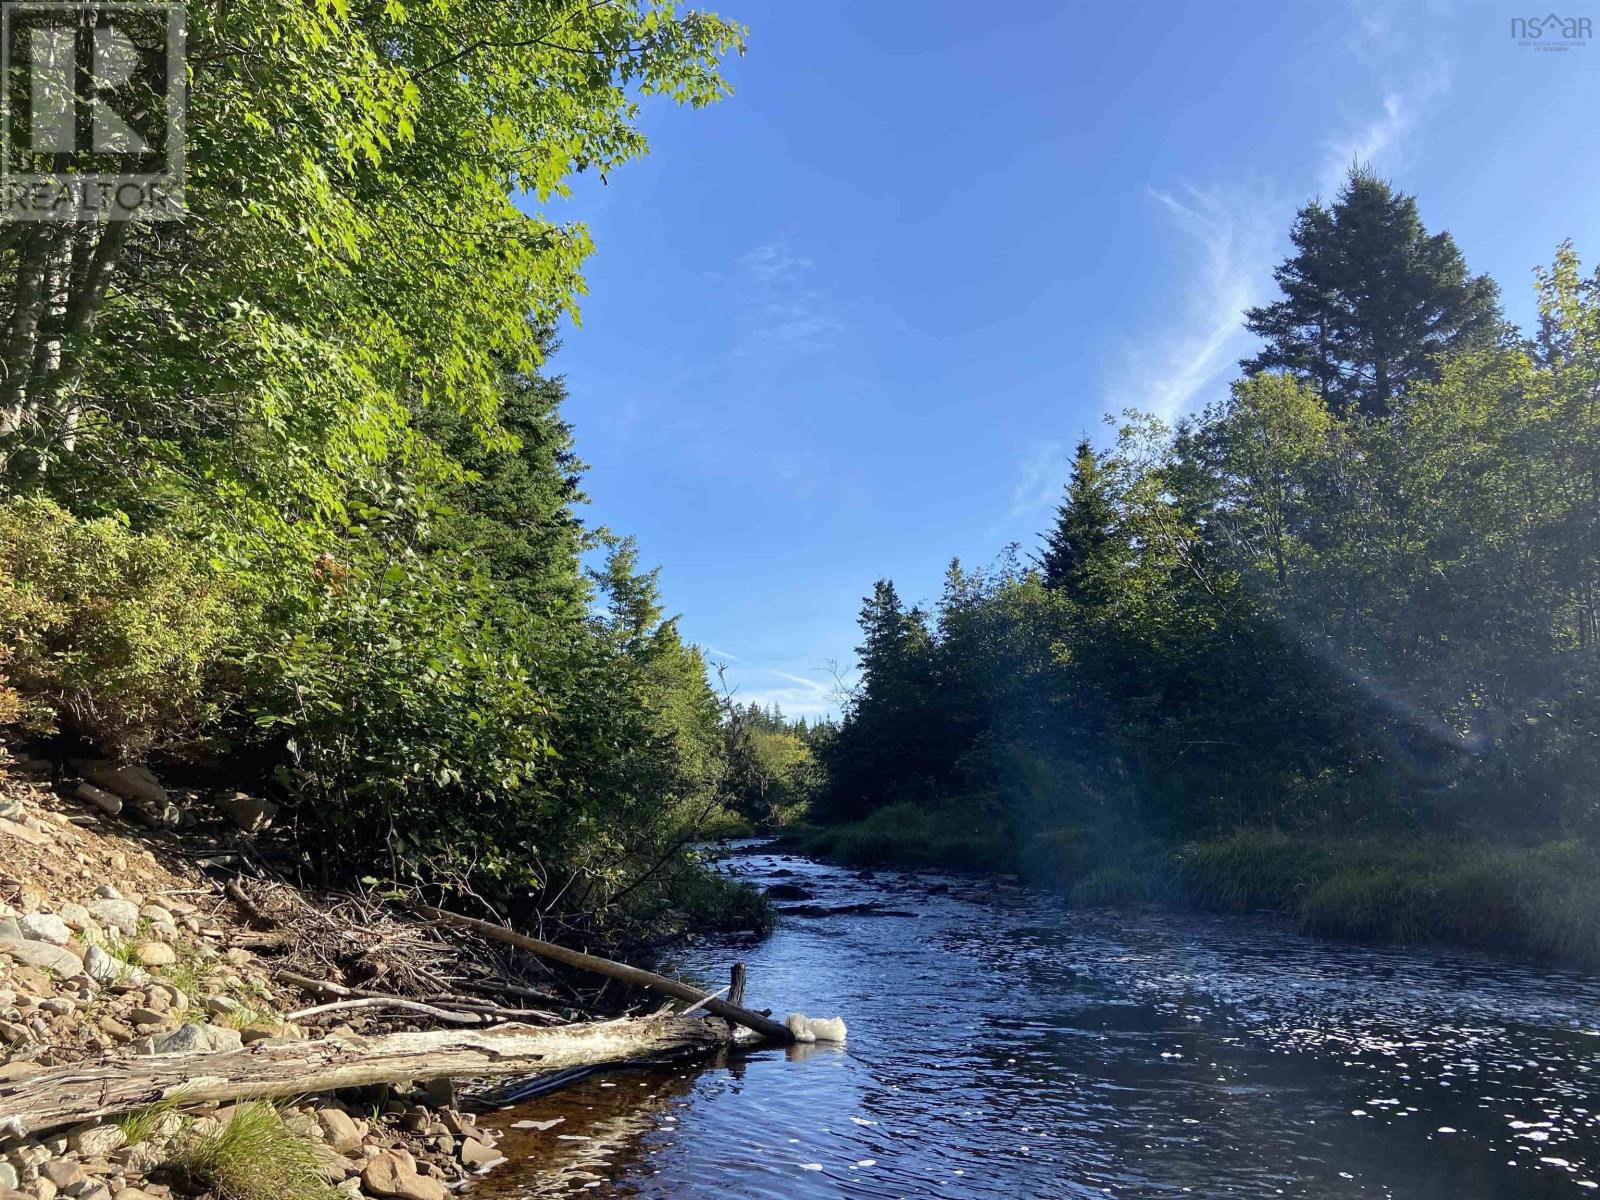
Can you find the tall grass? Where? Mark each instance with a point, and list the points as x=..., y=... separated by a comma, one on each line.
x=1542, y=900
x=255, y=1156
x=953, y=836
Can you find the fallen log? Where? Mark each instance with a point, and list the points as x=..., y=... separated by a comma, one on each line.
x=62, y=1095
x=615, y=970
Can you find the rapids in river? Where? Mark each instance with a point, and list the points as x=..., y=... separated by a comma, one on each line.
x=1002, y=1045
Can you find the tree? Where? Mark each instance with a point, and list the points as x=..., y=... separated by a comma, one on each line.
x=1370, y=300
x=1084, y=531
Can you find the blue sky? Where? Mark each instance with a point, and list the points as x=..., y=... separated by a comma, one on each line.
x=849, y=323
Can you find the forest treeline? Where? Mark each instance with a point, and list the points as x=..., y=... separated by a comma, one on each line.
x=1329, y=645
x=288, y=499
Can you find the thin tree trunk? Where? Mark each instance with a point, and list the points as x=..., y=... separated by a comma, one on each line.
x=615, y=970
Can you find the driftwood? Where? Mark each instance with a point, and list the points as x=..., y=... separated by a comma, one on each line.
x=61, y=1095
x=621, y=971
x=448, y=1005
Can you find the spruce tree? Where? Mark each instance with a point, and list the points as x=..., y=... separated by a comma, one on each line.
x=1083, y=531
x=1370, y=300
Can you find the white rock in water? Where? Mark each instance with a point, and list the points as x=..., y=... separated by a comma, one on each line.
x=816, y=1029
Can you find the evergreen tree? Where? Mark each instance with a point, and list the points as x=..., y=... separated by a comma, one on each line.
x=1083, y=530
x=1370, y=299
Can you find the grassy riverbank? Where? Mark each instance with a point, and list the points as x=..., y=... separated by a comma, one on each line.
x=1541, y=900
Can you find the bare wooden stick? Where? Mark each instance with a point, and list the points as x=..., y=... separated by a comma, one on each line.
x=60, y=1095
x=438, y=1014
x=614, y=970
x=326, y=987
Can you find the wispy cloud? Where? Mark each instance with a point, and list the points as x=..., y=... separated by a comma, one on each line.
x=1038, y=484
x=787, y=314
x=1383, y=140
x=1229, y=241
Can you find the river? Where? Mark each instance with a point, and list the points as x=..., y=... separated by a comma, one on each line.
x=1004, y=1046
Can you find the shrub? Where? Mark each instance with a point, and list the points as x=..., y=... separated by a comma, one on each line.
x=113, y=634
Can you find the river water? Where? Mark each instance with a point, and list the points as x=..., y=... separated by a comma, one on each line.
x=1003, y=1046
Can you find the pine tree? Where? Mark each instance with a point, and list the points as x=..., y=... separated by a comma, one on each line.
x=1084, y=529
x=1370, y=299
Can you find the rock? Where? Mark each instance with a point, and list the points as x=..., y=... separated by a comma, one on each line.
x=42, y=955
x=24, y=833
x=342, y=1132
x=131, y=783
x=156, y=954
x=105, y=969
x=115, y=1029
x=62, y=1172
x=789, y=891
x=387, y=1174
x=96, y=1141
x=106, y=891
x=75, y=915
x=197, y=1039
x=45, y=927
x=222, y=1004
x=121, y=915
x=147, y=1016
x=249, y=813
x=8, y=1177
x=58, y=1006
x=476, y=1156
x=175, y=997
x=106, y=802
x=459, y=1123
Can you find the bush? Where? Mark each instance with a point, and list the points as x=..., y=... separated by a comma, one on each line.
x=114, y=635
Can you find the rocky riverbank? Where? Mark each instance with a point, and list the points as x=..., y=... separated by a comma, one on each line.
x=119, y=942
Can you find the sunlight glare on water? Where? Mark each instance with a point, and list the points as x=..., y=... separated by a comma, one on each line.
x=1003, y=1046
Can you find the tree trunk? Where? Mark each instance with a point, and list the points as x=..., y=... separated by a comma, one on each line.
x=615, y=970
x=62, y=1095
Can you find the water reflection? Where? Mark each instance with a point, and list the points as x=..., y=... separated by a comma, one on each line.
x=1003, y=1047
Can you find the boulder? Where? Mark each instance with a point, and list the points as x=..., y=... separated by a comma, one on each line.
x=104, y=969
x=131, y=783
x=247, y=812
x=477, y=1156
x=340, y=1129
x=121, y=915
x=196, y=1039
x=42, y=955
x=387, y=1174
x=156, y=954
x=96, y=1141
x=45, y=927
x=62, y=1172
x=790, y=891
x=107, y=802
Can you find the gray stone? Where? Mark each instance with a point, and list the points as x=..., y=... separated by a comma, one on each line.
x=75, y=915
x=131, y=783
x=42, y=955
x=106, y=802
x=95, y=1141
x=197, y=1039
x=121, y=915
x=105, y=969
x=45, y=927
x=8, y=1177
